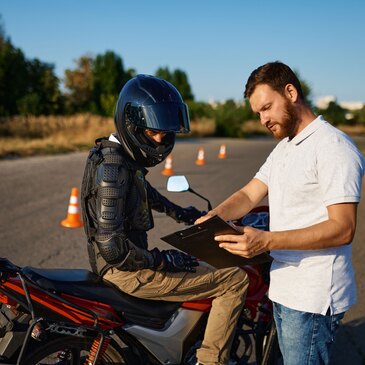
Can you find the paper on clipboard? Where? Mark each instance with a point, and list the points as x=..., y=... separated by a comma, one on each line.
x=198, y=240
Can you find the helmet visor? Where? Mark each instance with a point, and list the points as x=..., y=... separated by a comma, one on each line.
x=168, y=117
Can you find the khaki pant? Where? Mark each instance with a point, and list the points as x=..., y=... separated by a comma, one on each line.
x=227, y=286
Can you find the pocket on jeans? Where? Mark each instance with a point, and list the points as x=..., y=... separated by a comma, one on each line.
x=335, y=323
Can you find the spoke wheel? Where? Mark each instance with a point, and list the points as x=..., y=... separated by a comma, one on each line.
x=73, y=351
x=267, y=348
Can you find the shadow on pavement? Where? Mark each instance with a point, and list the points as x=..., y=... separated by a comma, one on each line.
x=349, y=346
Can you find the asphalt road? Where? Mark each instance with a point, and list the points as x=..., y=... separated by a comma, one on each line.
x=35, y=193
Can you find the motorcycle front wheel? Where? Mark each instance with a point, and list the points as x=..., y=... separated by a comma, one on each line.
x=73, y=351
x=267, y=348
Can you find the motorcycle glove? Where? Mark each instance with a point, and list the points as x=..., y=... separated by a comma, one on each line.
x=176, y=261
x=188, y=215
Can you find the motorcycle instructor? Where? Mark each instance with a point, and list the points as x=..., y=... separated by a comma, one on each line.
x=313, y=181
x=117, y=200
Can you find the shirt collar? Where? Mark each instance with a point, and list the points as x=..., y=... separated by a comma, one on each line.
x=308, y=130
x=113, y=138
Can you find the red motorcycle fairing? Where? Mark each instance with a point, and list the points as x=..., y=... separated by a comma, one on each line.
x=53, y=307
x=108, y=301
x=257, y=288
x=87, y=290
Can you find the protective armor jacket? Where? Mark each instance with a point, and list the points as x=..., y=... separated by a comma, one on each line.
x=116, y=202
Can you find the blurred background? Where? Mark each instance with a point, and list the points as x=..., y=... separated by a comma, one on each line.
x=63, y=64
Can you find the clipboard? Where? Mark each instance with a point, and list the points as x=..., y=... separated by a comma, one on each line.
x=198, y=241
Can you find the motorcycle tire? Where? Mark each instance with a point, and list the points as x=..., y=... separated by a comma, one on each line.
x=270, y=352
x=50, y=352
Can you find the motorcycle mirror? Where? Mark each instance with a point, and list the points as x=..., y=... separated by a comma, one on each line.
x=177, y=184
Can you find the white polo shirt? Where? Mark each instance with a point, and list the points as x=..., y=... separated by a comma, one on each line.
x=319, y=167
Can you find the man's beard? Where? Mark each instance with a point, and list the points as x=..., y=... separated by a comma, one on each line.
x=289, y=124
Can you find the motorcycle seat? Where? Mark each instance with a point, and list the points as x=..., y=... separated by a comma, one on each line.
x=87, y=285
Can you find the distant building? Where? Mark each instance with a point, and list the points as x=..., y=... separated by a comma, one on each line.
x=352, y=105
x=324, y=101
x=214, y=104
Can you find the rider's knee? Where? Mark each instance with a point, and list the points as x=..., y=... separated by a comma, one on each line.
x=239, y=279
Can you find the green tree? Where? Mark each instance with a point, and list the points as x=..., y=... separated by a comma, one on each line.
x=26, y=86
x=109, y=77
x=164, y=73
x=13, y=76
x=334, y=113
x=79, y=85
x=359, y=116
x=247, y=113
x=307, y=91
x=229, y=119
x=199, y=110
x=43, y=94
x=179, y=79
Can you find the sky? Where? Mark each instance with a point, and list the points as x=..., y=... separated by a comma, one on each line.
x=217, y=43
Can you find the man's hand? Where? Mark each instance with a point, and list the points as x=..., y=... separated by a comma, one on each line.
x=250, y=243
x=205, y=217
x=176, y=261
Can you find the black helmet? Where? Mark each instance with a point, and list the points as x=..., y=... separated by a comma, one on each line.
x=147, y=102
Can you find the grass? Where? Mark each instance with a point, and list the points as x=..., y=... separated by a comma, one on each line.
x=47, y=135
x=30, y=136
x=51, y=135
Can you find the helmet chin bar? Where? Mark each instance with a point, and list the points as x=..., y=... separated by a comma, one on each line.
x=145, y=154
x=155, y=152
x=156, y=155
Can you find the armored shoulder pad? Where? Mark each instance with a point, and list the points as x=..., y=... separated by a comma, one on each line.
x=112, y=180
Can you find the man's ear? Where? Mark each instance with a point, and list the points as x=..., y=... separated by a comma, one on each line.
x=291, y=92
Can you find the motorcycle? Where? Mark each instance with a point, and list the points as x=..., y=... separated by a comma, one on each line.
x=74, y=317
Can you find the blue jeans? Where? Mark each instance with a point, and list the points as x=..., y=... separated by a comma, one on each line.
x=305, y=338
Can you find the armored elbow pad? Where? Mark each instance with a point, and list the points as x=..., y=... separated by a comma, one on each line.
x=138, y=259
x=111, y=250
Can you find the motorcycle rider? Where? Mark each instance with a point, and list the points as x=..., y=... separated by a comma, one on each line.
x=117, y=200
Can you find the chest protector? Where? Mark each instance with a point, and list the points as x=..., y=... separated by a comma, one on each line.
x=114, y=204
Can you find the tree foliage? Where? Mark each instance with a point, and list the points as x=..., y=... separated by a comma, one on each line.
x=230, y=118
x=199, y=110
x=95, y=83
x=79, y=83
x=359, y=116
x=26, y=86
x=307, y=90
x=334, y=113
x=179, y=79
x=108, y=79
x=43, y=90
x=13, y=76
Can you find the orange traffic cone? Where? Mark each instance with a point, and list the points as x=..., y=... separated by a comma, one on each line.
x=200, y=160
x=168, y=171
x=73, y=219
x=222, y=152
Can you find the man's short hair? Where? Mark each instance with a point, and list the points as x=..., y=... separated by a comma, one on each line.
x=275, y=74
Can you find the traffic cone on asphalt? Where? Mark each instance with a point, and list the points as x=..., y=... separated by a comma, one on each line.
x=73, y=219
x=222, y=152
x=200, y=160
x=168, y=171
